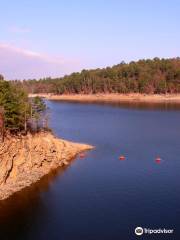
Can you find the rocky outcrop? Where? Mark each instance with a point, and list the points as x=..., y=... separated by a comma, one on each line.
x=26, y=159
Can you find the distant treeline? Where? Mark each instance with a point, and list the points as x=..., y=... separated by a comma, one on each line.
x=144, y=76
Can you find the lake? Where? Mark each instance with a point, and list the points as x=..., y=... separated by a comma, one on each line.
x=101, y=197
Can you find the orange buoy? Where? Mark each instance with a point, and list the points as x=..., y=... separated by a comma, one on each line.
x=82, y=155
x=122, y=157
x=158, y=160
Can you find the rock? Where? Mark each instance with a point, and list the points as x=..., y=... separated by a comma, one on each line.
x=27, y=159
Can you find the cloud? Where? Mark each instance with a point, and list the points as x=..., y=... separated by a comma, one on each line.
x=15, y=29
x=18, y=63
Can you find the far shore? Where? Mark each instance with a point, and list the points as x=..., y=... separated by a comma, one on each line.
x=132, y=97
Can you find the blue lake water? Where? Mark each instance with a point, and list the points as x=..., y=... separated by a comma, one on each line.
x=100, y=197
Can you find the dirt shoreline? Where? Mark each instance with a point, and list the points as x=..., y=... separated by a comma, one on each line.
x=133, y=97
x=24, y=160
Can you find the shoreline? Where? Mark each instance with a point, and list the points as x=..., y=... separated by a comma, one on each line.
x=24, y=160
x=131, y=97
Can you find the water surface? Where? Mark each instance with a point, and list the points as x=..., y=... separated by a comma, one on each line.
x=101, y=197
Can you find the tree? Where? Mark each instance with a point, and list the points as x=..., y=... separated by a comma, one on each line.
x=38, y=108
x=15, y=103
x=1, y=77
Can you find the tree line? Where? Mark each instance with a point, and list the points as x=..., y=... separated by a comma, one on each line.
x=150, y=76
x=18, y=113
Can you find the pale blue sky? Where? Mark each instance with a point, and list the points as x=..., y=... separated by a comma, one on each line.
x=52, y=38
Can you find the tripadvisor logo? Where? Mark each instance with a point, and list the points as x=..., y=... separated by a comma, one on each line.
x=139, y=231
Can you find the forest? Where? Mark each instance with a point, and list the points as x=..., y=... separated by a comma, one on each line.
x=21, y=114
x=150, y=76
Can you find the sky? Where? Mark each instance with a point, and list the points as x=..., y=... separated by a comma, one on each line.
x=42, y=38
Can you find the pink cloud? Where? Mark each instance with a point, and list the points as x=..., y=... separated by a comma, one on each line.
x=17, y=63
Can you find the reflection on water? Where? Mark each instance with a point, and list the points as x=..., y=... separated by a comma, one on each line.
x=164, y=105
x=20, y=211
x=100, y=197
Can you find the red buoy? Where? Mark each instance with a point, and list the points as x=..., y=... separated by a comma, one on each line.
x=82, y=155
x=122, y=157
x=158, y=160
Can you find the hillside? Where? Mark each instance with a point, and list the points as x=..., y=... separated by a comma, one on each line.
x=156, y=76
